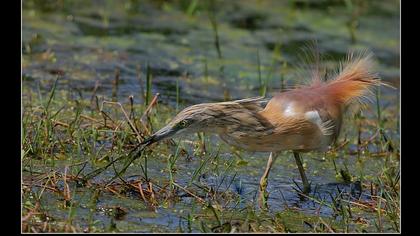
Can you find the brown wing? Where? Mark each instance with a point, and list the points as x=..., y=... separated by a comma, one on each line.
x=303, y=119
x=304, y=100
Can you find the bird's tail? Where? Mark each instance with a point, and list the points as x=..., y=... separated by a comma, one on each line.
x=353, y=81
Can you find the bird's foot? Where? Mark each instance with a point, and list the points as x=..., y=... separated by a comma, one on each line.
x=306, y=188
x=303, y=192
x=263, y=194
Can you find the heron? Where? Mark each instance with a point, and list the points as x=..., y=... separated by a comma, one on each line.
x=303, y=119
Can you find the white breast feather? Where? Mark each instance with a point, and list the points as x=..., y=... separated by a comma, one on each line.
x=325, y=127
x=289, y=111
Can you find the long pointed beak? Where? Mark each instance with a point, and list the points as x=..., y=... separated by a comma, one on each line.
x=147, y=141
x=163, y=133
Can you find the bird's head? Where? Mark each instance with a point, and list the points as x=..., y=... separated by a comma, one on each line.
x=192, y=119
x=217, y=118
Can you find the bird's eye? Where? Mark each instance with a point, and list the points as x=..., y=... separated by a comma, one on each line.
x=183, y=123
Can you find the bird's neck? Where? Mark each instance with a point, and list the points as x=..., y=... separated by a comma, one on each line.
x=236, y=119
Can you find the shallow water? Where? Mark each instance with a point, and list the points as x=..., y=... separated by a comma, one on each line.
x=87, y=42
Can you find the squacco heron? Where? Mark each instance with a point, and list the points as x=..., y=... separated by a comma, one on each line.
x=307, y=118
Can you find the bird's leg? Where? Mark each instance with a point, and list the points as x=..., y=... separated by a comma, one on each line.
x=262, y=199
x=306, y=186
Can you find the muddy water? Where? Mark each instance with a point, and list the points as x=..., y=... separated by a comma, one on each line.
x=86, y=42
